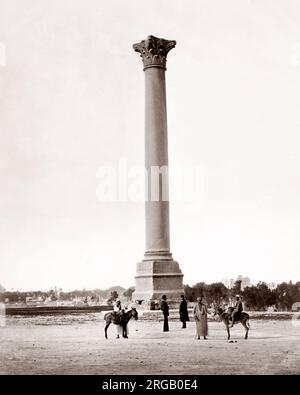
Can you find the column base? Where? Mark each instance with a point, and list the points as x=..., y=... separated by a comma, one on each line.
x=157, y=277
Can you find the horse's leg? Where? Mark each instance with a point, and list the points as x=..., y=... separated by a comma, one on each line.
x=248, y=327
x=244, y=323
x=125, y=332
x=106, y=327
x=118, y=331
x=228, y=331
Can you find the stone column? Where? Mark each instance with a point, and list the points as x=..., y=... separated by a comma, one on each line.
x=158, y=273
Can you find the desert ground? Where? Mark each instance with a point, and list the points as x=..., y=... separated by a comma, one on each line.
x=76, y=345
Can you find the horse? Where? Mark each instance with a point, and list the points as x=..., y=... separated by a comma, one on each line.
x=226, y=318
x=115, y=318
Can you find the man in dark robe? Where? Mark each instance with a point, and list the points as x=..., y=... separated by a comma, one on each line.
x=183, y=311
x=165, y=309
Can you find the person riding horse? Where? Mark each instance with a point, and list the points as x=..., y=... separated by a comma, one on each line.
x=237, y=311
x=118, y=312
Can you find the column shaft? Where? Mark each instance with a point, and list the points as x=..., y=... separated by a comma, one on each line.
x=156, y=155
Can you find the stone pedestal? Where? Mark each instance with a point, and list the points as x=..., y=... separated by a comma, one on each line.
x=156, y=278
x=158, y=273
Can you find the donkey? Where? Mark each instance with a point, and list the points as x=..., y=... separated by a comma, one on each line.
x=226, y=318
x=115, y=318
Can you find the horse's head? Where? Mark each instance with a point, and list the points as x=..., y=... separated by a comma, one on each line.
x=134, y=313
x=218, y=311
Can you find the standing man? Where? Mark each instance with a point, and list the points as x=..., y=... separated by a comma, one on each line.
x=165, y=309
x=200, y=315
x=183, y=311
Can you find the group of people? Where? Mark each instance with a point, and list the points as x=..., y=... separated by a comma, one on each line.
x=200, y=314
x=199, y=311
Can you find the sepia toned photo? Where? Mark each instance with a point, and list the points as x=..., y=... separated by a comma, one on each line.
x=150, y=189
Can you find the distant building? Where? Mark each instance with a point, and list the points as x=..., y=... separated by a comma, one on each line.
x=31, y=301
x=229, y=283
x=2, y=289
x=245, y=282
x=78, y=300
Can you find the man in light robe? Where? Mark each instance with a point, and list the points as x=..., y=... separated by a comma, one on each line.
x=200, y=315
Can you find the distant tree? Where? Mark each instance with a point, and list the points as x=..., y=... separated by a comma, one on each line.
x=287, y=294
x=192, y=293
x=200, y=290
x=249, y=297
x=113, y=296
x=259, y=297
x=189, y=293
x=64, y=296
x=263, y=296
x=128, y=293
x=52, y=295
x=13, y=297
x=216, y=293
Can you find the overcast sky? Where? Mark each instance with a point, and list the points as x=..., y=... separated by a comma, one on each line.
x=72, y=100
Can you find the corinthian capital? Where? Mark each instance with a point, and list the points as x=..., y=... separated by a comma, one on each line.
x=154, y=51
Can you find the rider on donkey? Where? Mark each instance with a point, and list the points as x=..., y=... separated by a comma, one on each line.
x=236, y=313
x=118, y=315
x=118, y=311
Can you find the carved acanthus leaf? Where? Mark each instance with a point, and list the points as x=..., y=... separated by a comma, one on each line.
x=154, y=51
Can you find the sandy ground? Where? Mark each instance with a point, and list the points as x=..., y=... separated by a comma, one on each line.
x=76, y=345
